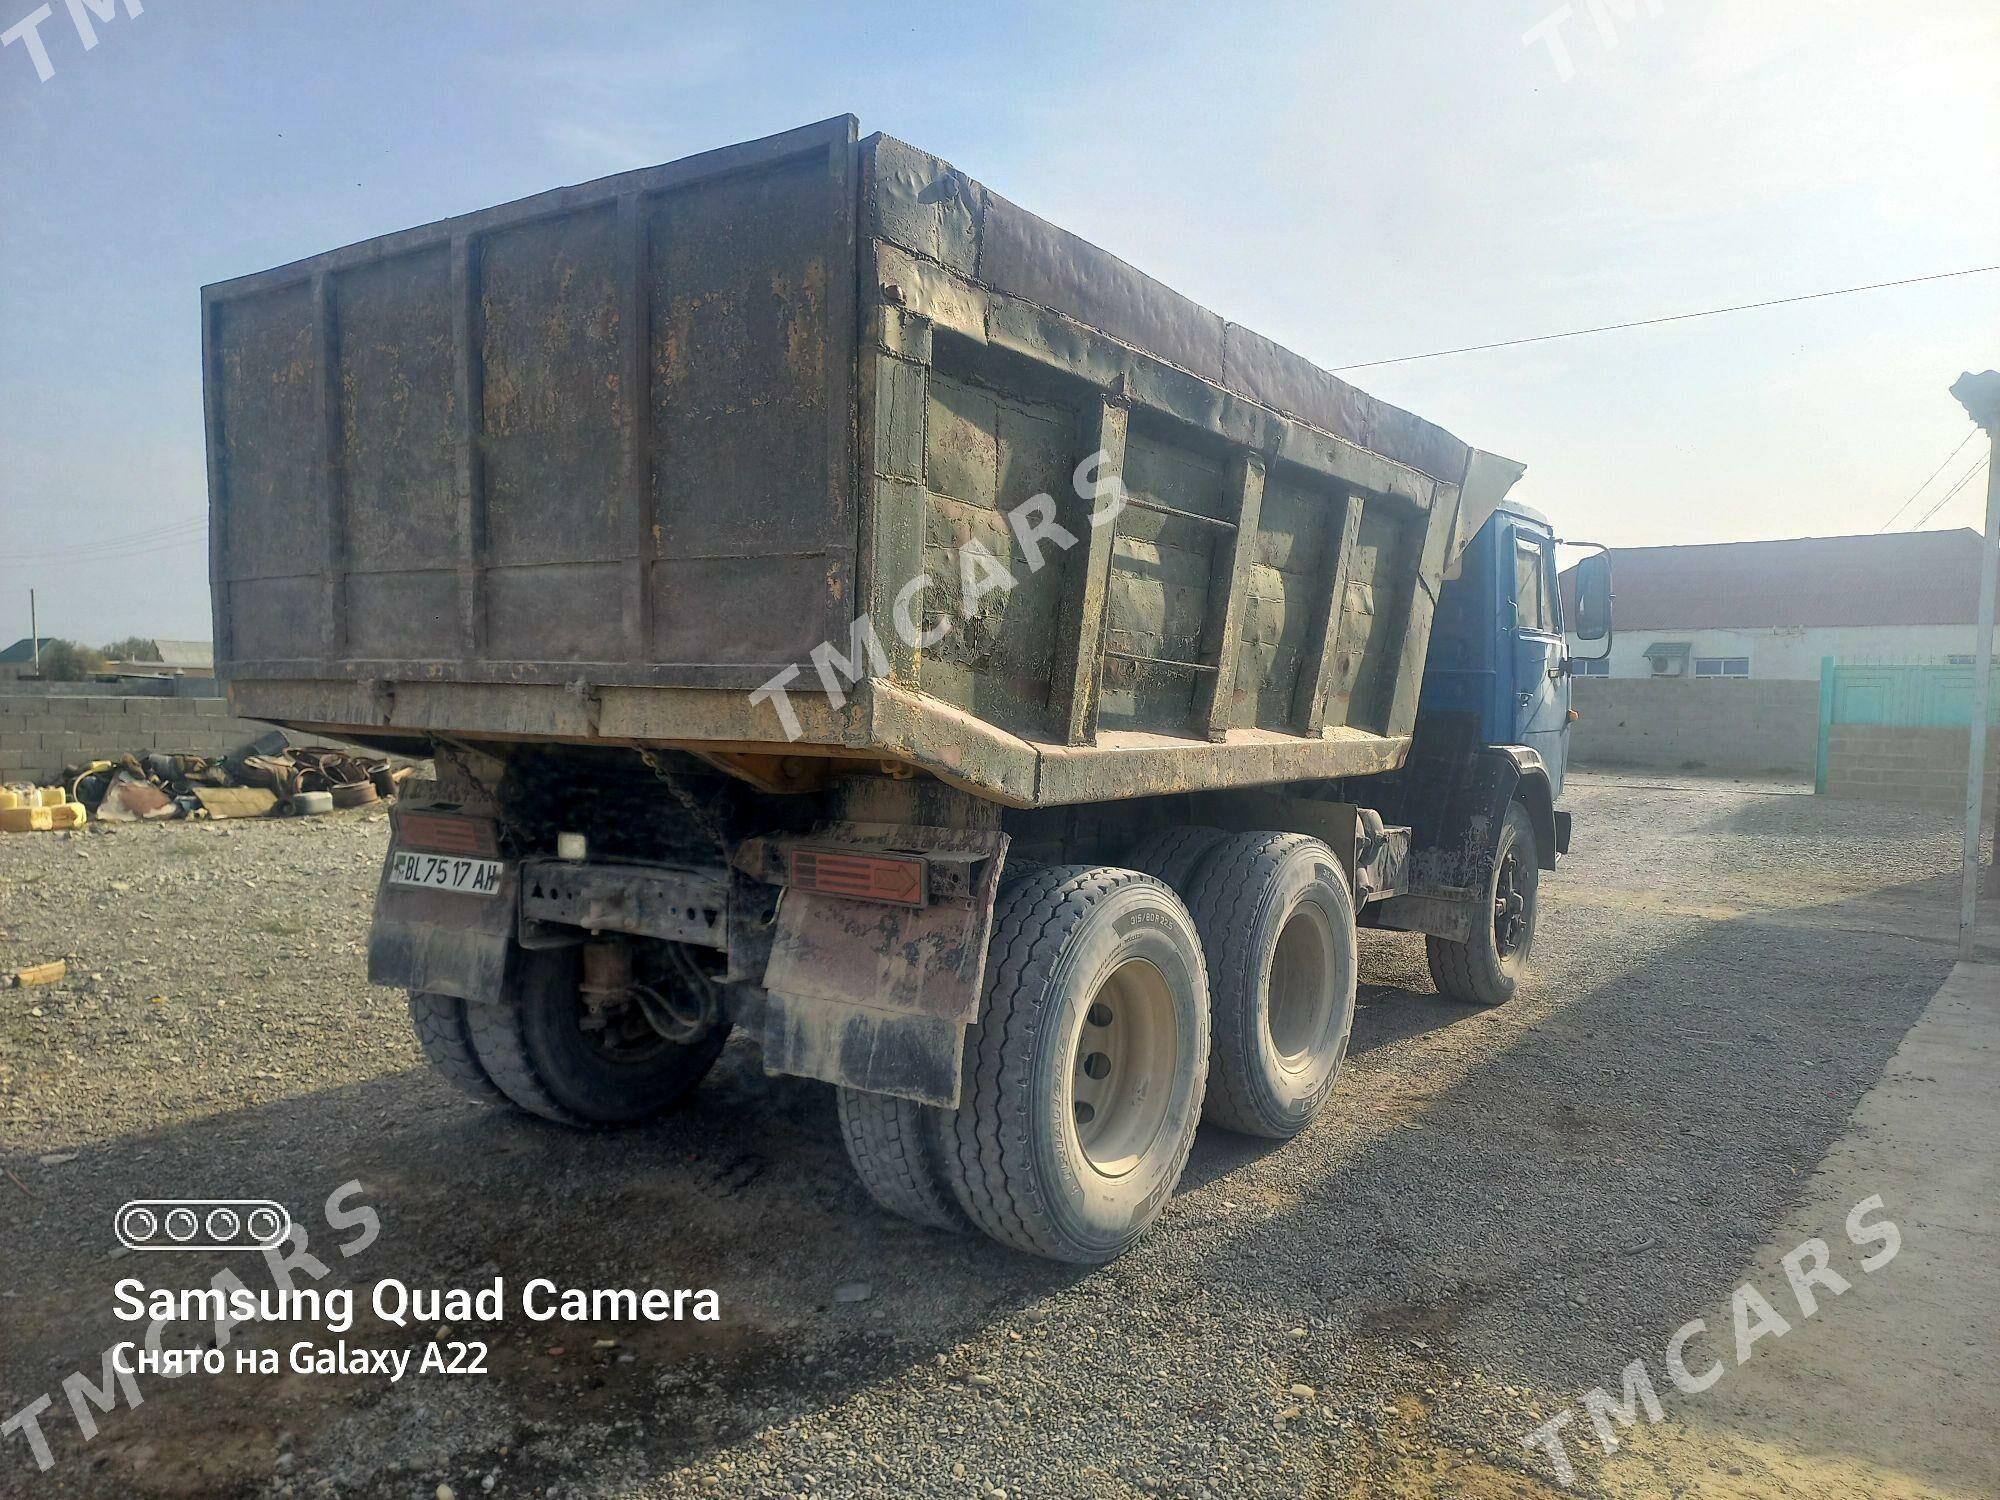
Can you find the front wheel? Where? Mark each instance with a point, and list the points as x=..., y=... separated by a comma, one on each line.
x=1486, y=968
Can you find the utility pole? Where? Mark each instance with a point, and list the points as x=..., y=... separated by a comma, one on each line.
x=34, y=633
x=1980, y=396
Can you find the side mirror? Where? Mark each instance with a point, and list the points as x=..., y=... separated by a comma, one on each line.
x=1593, y=597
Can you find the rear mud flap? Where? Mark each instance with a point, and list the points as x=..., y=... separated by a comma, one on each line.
x=873, y=994
x=912, y=1057
x=444, y=942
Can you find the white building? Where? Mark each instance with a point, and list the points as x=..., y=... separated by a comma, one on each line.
x=1774, y=610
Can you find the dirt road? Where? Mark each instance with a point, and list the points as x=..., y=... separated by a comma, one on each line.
x=1498, y=1212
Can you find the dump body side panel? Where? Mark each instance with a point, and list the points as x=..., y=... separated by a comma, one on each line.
x=1272, y=570
x=601, y=435
x=595, y=466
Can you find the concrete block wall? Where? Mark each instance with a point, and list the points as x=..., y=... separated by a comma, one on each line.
x=1916, y=767
x=40, y=734
x=1674, y=724
x=124, y=687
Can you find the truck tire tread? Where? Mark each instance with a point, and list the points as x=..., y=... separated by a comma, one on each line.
x=1174, y=856
x=1224, y=906
x=442, y=1031
x=997, y=1193
x=496, y=1029
x=1451, y=968
x=1473, y=971
x=897, y=1153
x=986, y=1141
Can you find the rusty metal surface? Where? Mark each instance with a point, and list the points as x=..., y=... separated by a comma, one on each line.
x=873, y=994
x=1268, y=589
x=916, y=960
x=679, y=905
x=599, y=433
x=955, y=858
x=1023, y=255
x=593, y=465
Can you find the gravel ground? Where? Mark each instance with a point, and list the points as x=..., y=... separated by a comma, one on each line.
x=1497, y=1212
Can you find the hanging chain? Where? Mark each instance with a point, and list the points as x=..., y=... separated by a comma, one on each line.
x=690, y=804
x=446, y=750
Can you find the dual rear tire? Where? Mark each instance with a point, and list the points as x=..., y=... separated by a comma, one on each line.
x=1277, y=924
x=1104, y=1030
x=1083, y=1076
x=541, y=1050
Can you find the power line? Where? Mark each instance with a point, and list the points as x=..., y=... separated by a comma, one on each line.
x=181, y=534
x=1933, y=474
x=1963, y=480
x=110, y=543
x=118, y=539
x=108, y=554
x=1712, y=312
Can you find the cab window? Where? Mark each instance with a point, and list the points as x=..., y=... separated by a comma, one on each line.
x=1534, y=599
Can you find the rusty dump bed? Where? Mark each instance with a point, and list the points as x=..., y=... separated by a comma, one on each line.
x=595, y=465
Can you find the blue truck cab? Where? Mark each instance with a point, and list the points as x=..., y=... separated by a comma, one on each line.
x=1480, y=789
x=1497, y=652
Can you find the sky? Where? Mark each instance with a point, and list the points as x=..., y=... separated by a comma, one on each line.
x=1359, y=181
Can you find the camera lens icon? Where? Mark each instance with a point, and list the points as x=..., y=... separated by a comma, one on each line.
x=223, y=1225
x=182, y=1224
x=138, y=1224
x=266, y=1225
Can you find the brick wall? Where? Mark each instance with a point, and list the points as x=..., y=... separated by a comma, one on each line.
x=1695, y=724
x=1920, y=767
x=40, y=734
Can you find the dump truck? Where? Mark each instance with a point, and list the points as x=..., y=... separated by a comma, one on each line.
x=844, y=608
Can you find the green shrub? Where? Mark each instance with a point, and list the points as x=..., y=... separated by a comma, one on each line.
x=66, y=661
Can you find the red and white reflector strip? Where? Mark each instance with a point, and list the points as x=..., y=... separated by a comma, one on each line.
x=859, y=877
x=444, y=833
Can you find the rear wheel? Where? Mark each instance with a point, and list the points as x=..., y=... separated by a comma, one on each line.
x=552, y=1055
x=1173, y=855
x=440, y=1024
x=897, y=1149
x=1486, y=968
x=1084, y=1074
x=1277, y=925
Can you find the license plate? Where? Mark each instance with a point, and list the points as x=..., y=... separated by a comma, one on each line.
x=445, y=872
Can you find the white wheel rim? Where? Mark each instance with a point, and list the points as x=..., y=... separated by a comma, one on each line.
x=1299, y=998
x=1122, y=1068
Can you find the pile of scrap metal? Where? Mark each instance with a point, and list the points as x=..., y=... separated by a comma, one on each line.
x=267, y=777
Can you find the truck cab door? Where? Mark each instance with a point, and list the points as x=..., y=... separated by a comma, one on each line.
x=1541, y=686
